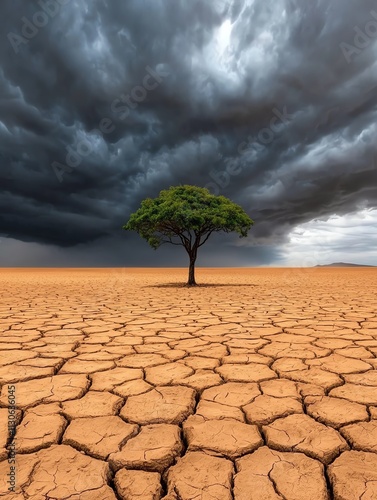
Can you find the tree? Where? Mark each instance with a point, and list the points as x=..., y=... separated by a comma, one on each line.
x=187, y=216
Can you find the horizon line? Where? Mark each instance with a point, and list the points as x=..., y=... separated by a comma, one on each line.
x=197, y=267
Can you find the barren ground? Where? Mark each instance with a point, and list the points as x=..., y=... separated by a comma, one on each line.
x=261, y=385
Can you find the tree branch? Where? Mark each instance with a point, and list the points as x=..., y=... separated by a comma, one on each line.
x=206, y=238
x=170, y=241
x=170, y=226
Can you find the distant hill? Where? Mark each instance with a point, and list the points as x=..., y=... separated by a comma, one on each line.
x=344, y=264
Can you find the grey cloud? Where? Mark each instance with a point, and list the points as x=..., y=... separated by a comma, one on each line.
x=283, y=54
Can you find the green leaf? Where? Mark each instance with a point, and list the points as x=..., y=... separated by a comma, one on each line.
x=189, y=212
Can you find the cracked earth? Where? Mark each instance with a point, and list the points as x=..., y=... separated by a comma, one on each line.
x=261, y=385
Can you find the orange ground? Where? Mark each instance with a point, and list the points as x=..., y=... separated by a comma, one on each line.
x=259, y=385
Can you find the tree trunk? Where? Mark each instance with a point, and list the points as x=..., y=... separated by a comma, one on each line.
x=191, y=277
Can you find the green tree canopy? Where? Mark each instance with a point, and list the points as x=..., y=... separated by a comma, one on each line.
x=187, y=216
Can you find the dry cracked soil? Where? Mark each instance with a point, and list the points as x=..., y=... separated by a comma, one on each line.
x=259, y=385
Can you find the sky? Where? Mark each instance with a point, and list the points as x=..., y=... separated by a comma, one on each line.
x=271, y=103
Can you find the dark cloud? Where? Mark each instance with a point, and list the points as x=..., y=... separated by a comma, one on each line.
x=271, y=103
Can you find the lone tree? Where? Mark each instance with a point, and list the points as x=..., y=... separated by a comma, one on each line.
x=187, y=216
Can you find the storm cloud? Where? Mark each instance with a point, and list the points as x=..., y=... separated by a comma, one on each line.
x=271, y=103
